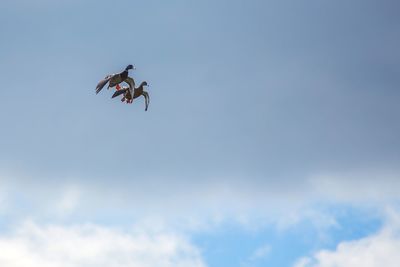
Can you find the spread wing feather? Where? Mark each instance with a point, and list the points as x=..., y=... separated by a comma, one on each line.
x=102, y=83
x=119, y=92
x=131, y=82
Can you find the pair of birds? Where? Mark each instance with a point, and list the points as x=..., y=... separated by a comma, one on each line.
x=129, y=92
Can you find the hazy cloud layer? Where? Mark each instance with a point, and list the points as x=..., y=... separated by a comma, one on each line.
x=197, y=204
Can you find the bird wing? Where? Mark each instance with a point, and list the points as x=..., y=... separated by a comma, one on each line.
x=119, y=92
x=131, y=82
x=115, y=79
x=146, y=99
x=102, y=83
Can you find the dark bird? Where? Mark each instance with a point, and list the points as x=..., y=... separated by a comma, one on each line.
x=130, y=93
x=114, y=79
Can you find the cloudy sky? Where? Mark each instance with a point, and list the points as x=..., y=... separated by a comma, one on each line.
x=272, y=136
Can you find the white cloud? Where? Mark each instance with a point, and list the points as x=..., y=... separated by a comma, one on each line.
x=380, y=249
x=91, y=245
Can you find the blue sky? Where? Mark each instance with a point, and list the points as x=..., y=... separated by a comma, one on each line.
x=271, y=138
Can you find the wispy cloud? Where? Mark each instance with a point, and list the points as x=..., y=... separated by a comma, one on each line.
x=365, y=186
x=260, y=252
x=69, y=200
x=379, y=249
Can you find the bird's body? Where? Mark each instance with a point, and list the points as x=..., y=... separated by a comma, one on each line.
x=113, y=79
x=129, y=93
x=138, y=91
x=117, y=79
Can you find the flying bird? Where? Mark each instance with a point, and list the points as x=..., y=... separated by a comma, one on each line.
x=114, y=79
x=129, y=93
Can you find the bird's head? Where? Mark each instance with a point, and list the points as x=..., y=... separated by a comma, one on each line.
x=130, y=67
x=144, y=83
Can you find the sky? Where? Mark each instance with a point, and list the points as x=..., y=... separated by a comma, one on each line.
x=271, y=139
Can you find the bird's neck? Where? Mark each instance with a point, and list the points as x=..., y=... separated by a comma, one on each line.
x=124, y=74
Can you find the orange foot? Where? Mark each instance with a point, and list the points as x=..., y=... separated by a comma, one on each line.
x=118, y=87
